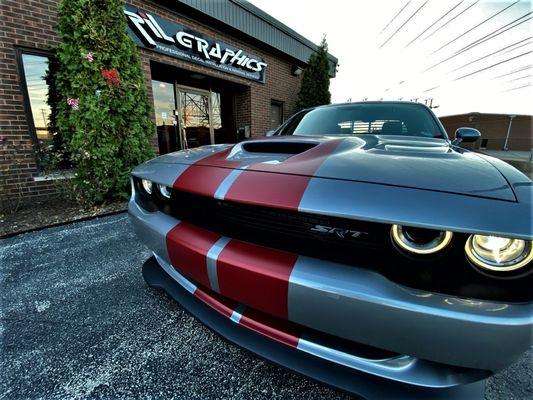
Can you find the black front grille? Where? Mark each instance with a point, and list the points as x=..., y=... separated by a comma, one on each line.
x=307, y=234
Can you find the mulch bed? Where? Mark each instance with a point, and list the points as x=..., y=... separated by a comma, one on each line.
x=52, y=212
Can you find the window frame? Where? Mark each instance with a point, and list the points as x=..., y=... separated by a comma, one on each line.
x=20, y=51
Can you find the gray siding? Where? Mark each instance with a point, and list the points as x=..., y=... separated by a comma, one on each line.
x=245, y=17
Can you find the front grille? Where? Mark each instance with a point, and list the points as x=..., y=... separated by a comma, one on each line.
x=307, y=234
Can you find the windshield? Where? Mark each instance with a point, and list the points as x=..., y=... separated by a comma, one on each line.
x=364, y=119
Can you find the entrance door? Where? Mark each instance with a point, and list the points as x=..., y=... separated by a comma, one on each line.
x=164, y=106
x=195, y=116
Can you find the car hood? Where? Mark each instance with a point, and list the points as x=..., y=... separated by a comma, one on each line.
x=419, y=163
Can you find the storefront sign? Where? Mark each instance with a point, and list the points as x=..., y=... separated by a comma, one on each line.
x=166, y=37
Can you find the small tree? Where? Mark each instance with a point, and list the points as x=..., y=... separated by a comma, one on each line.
x=103, y=116
x=314, y=90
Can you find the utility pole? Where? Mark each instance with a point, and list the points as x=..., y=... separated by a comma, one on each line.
x=508, y=132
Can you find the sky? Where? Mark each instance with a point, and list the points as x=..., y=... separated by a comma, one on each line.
x=382, y=56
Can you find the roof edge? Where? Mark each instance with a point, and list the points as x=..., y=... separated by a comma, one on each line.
x=280, y=26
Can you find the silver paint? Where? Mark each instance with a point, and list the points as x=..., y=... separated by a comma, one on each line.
x=420, y=208
x=237, y=313
x=212, y=256
x=227, y=182
x=363, y=306
x=152, y=228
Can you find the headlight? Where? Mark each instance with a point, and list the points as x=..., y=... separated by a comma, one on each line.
x=420, y=241
x=497, y=253
x=165, y=191
x=147, y=186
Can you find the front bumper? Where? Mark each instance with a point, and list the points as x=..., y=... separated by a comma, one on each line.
x=435, y=331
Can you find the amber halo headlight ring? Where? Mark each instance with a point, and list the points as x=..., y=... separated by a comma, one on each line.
x=499, y=254
x=405, y=241
x=147, y=185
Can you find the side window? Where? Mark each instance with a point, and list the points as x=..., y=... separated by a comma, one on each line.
x=292, y=123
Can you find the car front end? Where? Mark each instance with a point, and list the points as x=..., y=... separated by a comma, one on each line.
x=341, y=277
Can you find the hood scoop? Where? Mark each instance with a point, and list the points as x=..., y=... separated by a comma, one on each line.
x=277, y=147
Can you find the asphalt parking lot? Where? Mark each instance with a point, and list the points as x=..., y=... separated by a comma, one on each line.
x=78, y=321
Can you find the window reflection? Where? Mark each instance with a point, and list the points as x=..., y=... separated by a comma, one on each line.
x=34, y=72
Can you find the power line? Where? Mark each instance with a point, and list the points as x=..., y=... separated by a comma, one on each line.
x=483, y=39
x=516, y=88
x=450, y=20
x=474, y=27
x=433, y=24
x=491, y=54
x=520, y=78
x=517, y=47
x=395, y=16
x=525, y=68
x=405, y=23
x=493, y=34
x=493, y=65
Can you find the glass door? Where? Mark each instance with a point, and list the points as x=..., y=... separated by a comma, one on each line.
x=195, y=118
x=164, y=106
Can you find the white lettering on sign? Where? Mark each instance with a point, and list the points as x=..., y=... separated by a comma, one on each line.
x=150, y=32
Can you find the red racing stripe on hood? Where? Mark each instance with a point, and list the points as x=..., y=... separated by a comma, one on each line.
x=256, y=276
x=187, y=247
x=201, y=178
x=280, y=185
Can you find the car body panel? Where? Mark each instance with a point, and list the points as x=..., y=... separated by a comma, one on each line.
x=277, y=180
x=442, y=339
x=349, y=302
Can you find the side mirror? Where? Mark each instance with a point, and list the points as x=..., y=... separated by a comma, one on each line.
x=270, y=133
x=466, y=135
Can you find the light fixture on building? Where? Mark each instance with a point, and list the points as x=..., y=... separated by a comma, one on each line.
x=296, y=70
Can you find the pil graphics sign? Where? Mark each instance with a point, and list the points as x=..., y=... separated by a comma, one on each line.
x=175, y=40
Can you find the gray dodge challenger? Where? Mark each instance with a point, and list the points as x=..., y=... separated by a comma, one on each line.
x=356, y=244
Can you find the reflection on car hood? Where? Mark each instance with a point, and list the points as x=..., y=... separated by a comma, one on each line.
x=420, y=163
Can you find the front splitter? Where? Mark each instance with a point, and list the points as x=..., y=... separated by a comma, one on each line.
x=331, y=374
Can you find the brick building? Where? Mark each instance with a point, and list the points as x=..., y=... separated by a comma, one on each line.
x=498, y=131
x=217, y=71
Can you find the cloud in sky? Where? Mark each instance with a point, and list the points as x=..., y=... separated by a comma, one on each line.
x=461, y=61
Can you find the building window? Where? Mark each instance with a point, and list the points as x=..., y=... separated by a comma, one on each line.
x=35, y=67
x=50, y=154
x=276, y=114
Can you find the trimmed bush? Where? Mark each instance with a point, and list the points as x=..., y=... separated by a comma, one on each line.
x=103, y=114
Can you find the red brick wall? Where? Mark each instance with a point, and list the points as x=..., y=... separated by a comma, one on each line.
x=493, y=127
x=22, y=24
x=31, y=24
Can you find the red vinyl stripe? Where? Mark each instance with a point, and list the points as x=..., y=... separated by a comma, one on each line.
x=281, y=331
x=280, y=185
x=217, y=302
x=256, y=276
x=187, y=247
x=201, y=178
